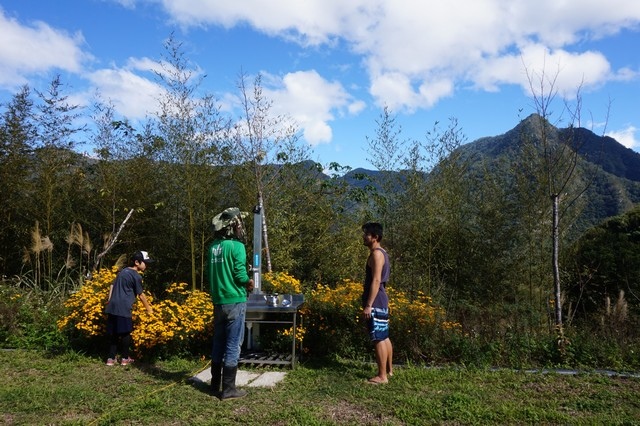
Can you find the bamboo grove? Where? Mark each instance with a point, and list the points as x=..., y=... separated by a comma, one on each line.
x=82, y=186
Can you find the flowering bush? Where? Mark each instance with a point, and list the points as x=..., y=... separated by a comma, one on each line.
x=335, y=323
x=280, y=282
x=332, y=319
x=183, y=316
x=281, y=339
x=86, y=306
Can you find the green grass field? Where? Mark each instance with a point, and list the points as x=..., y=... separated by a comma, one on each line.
x=75, y=389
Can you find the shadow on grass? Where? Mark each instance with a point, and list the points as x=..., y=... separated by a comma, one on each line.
x=184, y=376
x=162, y=374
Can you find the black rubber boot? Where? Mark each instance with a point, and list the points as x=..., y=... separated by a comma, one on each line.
x=216, y=378
x=229, y=390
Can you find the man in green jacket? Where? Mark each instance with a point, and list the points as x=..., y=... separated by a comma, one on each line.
x=229, y=285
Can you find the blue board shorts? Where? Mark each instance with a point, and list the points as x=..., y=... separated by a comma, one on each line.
x=378, y=324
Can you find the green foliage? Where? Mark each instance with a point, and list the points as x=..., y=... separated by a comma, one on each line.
x=28, y=319
x=332, y=326
x=190, y=126
x=607, y=262
x=16, y=142
x=466, y=224
x=79, y=390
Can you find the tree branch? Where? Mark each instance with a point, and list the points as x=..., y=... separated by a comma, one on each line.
x=111, y=243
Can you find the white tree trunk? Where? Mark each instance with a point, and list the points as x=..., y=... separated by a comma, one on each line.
x=555, y=236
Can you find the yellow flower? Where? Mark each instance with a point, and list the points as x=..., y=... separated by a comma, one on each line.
x=281, y=282
x=181, y=316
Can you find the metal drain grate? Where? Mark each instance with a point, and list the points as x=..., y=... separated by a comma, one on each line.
x=263, y=358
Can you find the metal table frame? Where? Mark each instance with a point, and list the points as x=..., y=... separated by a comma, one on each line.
x=257, y=305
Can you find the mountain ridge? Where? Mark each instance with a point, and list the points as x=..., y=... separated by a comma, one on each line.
x=615, y=183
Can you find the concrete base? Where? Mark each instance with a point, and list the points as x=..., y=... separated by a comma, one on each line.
x=246, y=378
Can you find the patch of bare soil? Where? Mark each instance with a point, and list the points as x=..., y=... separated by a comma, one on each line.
x=346, y=413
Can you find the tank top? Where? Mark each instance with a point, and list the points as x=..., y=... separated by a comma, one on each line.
x=381, y=300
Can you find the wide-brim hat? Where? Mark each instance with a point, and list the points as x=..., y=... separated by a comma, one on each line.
x=227, y=218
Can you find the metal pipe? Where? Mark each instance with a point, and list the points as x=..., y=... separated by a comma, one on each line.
x=257, y=249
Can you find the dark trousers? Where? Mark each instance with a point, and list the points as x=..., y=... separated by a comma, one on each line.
x=123, y=340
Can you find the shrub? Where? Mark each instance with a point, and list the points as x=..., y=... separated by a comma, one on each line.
x=335, y=325
x=27, y=319
x=332, y=316
x=178, y=323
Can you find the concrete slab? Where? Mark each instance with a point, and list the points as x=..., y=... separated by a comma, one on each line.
x=204, y=376
x=243, y=377
x=268, y=379
x=246, y=378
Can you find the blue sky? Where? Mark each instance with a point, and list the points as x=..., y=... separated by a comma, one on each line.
x=333, y=64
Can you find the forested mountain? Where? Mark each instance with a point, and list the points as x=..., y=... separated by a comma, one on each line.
x=607, y=171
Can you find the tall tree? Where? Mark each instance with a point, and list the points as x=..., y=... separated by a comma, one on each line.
x=17, y=137
x=559, y=172
x=59, y=175
x=264, y=142
x=192, y=128
x=435, y=208
x=386, y=152
x=123, y=178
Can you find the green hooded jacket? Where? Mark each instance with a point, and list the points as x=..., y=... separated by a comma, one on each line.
x=227, y=271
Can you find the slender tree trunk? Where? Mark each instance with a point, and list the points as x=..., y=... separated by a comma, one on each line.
x=554, y=259
x=203, y=249
x=265, y=240
x=112, y=241
x=192, y=245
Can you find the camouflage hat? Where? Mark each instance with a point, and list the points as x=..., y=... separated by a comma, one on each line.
x=227, y=218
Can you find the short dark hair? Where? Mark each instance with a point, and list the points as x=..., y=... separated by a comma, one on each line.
x=374, y=229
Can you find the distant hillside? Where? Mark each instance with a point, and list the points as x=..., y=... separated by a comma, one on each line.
x=361, y=177
x=615, y=186
x=603, y=151
x=612, y=156
x=613, y=169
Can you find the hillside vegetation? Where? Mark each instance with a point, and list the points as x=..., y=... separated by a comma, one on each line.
x=466, y=224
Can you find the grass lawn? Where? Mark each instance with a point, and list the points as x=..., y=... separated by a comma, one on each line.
x=76, y=389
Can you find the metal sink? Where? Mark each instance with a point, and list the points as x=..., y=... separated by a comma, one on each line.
x=257, y=306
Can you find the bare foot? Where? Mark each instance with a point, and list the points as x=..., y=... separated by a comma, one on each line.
x=377, y=380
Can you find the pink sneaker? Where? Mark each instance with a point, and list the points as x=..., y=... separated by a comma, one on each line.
x=126, y=361
x=111, y=362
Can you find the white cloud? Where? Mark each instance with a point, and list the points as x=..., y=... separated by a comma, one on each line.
x=414, y=53
x=129, y=4
x=356, y=107
x=133, y=96
x=144, y=65
x=566, y=72
x=36, y=49
x=307, y=22
x=396, y=91
x=626, y=137
x=626, y=74
x=311, y=101
x=419, y=52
